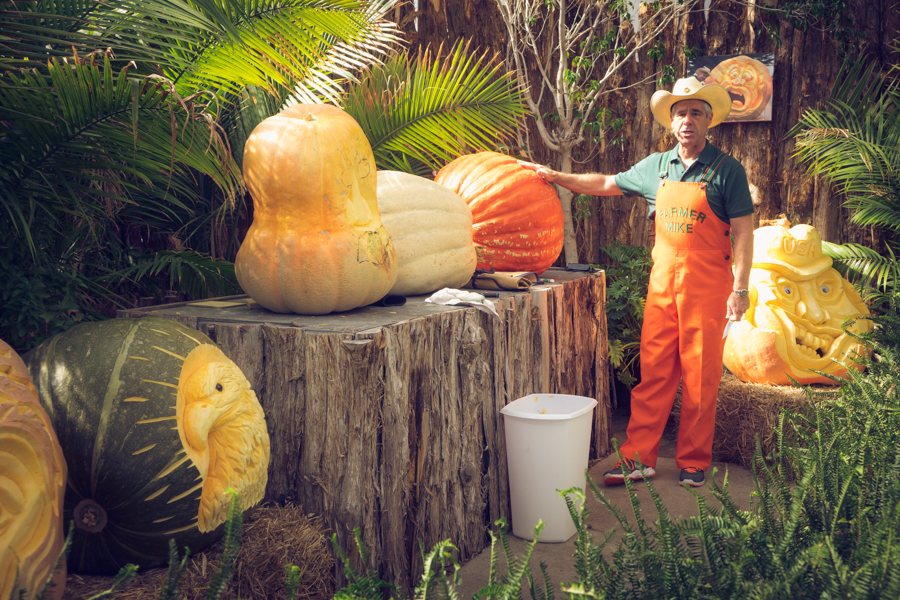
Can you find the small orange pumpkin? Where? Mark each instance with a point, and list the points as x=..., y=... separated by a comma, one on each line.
x=516, y=216
x=32, y=486
x=317, y=244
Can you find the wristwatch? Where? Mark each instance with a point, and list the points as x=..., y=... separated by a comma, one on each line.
x=741, y=293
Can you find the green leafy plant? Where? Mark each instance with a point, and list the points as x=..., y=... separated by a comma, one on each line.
x=124, y=128
x=441, y=572
x=832, y=16
x=627, y=280
x=231, y=546
x=410, y=127
x=854, y=144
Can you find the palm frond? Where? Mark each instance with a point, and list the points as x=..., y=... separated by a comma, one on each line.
x=335, y=54
x=326, y=81
x=863, y=265
x=194, y=274
x=98, y=138
x=854, y=143
x=138, y=30
x=419, y=114
x=207, y=44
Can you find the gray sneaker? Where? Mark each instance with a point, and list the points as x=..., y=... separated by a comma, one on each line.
x=626, y=468
x=692, y=476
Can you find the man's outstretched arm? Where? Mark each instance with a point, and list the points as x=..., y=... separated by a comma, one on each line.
x=593, y=184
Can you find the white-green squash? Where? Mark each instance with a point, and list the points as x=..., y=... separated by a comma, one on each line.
x=431, y=228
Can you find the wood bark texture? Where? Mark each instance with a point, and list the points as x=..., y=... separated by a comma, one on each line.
x=396, y=429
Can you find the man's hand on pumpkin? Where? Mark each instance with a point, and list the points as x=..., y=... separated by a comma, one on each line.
x=541, y=170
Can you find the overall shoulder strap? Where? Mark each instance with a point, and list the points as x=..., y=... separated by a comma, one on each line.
x=713, y=167
x=664, y=165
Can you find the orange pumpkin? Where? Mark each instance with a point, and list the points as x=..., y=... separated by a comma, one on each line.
x=749, y=84
x=32, y=486
x=516, y=216
x=317, y=244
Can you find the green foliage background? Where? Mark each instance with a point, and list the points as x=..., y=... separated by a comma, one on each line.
x=124, y=124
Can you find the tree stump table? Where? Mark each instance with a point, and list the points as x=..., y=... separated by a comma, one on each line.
x=387, y=418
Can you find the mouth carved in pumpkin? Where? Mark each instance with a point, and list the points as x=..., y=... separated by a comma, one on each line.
x=812, y=342
x=749, y=84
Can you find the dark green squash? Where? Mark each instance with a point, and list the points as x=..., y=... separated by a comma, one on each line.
x=114, y=391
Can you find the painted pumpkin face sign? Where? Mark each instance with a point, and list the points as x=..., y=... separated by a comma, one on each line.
x=798, y=304
x=749, y=84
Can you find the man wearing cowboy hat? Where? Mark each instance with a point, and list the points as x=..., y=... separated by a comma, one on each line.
x=701, y=198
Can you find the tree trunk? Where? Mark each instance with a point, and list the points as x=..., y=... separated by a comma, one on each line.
x=570, y=243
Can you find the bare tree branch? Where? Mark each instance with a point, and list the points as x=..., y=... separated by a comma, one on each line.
x=567, y=42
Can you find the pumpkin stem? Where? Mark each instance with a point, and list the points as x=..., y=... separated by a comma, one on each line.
x=90, y=516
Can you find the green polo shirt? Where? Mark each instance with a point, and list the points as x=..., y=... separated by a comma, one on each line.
x=728, y=193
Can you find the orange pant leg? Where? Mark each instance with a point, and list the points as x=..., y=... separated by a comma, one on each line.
x=652, y=398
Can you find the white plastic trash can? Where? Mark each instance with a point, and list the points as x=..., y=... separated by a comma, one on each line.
x=548, y=438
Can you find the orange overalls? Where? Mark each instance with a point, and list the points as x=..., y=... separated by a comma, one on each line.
x=681, y=338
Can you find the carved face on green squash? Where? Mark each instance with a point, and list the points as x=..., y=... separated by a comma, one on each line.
x=798, y=305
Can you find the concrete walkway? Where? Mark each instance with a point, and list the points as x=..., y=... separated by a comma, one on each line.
x=680, y=502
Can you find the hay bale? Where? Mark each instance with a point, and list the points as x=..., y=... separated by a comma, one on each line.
x=747, y=410
x=272, y=538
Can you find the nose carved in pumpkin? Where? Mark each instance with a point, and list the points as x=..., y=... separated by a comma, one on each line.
x=809, y=308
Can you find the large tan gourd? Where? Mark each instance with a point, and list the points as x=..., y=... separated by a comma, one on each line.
x=431, y=228
x=316, y=244
x=32, y=486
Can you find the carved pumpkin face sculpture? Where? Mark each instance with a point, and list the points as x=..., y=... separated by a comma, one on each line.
x=798, y=304
x=749, y=84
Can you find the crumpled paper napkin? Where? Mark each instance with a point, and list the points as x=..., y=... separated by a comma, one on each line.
x=451, y=296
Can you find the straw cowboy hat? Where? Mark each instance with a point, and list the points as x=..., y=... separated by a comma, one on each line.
x=690, y=88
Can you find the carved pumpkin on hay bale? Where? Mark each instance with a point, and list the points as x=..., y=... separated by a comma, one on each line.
x=798, y=305
x=32, y=486
x=155, y=424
